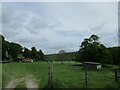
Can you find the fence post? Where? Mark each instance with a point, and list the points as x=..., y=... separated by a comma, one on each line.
x=116, y=77
x=50, y=81
x=86, y=80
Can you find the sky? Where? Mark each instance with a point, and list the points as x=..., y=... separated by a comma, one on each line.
x=54, y=26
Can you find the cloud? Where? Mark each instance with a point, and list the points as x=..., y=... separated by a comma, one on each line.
x=55, y=26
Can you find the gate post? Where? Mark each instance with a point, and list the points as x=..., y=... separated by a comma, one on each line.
x=116, y=77
x=86, y=80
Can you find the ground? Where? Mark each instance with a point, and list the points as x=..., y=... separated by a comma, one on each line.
x=67, y=75
x=29, y=82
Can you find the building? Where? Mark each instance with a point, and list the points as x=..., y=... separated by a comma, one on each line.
x=92, y=65
x=4, y=61
x=27, y=60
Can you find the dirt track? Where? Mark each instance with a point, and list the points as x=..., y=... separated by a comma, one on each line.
x=29, y=81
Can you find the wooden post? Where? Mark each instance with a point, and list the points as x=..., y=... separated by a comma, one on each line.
x=50, y=81
x=86, y=81
x=116, y=77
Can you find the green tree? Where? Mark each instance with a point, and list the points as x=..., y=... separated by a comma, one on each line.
x=115, y=52
x=34, y=54
x=14, y=50
x=62, y=56
x=91, y=50
x=41, y=55
x=27, y=53
x=5, y=49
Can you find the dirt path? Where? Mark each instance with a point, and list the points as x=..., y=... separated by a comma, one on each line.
x=29, y=80
x=13, y=83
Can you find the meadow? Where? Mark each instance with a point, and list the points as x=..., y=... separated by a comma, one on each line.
x=68, y=56
x=67, y=75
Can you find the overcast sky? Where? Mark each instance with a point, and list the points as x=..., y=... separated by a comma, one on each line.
x=54, y=26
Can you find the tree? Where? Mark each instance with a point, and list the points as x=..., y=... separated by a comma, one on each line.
x=5, y=49
x=27, y=53
x=34, y=54
x=94, y=38
x=14, y=50
x=61, y=51
x=91, y=50
x=115, y=52
x=62, y=56
x=41, y=55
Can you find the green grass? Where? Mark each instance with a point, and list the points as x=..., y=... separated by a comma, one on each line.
x=0, y=76
x=65, y=75
x=20, y=70
x=73, y=76
x=65, y=56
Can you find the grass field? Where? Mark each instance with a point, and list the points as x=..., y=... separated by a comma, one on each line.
x=0, y=76
x=64, y=56
x=68, y=75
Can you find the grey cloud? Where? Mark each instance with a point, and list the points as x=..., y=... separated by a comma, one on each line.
x=98, y=27
x=73, y=33
x=6, y=15
x=36, y=24
x=22, y=23
x=59, y=27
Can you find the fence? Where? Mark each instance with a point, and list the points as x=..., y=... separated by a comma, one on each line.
x=50, y=81
x=89, y=76
x=117, y=74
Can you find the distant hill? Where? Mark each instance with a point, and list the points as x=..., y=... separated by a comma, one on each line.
x=69, y=56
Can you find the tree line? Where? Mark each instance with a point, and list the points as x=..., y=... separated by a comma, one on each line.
x=91, y=50
x=15, y=52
